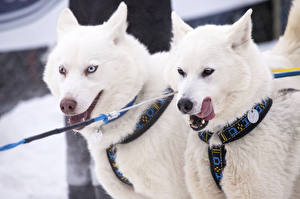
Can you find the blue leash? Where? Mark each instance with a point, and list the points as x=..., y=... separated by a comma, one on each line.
x=13, y=145
x=103, y=117
x=286, y=74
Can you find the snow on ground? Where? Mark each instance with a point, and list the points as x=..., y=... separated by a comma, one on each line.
x=36, y=170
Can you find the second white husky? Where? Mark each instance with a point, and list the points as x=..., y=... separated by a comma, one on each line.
x=99, y=69
x=250, y=146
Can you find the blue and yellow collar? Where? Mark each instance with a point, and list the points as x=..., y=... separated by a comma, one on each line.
x=241, y=126
x=147, y=119
x=238, y=129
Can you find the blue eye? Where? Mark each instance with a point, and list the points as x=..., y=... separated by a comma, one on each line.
x=91, y=69
x=62, y=70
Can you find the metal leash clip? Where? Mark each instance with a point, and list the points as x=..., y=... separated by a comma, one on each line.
x=110, y=116
x=113, y=115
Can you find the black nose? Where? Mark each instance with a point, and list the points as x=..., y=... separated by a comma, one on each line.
x=185, y=105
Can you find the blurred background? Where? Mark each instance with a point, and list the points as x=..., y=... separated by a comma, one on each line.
x=27, y=32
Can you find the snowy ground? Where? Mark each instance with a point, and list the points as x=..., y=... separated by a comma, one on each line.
x=36, y=170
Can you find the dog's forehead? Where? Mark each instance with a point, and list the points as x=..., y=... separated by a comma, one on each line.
x=86, y=40
x=82, y=47
x=199, y=52
x=203, y=47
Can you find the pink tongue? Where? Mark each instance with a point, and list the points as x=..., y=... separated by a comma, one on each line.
x=207, y=110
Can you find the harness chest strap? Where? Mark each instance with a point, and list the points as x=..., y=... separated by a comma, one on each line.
x=147, y=119
x=230, y=133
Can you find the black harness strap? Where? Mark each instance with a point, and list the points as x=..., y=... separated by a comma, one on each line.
x=230, y=133
x=287, y=90
x=217, y=161
x=243, y=125
x=147, y=119
x=111, y=155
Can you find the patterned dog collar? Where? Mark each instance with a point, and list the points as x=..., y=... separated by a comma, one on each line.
x=238, y=129
x=148, y=118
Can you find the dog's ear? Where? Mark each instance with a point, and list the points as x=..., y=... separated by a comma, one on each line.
x=180, y=28
x=240, y=31
x=117, y=23
x=66, y=22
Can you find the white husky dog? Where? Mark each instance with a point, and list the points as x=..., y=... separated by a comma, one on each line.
x=225, y=85
x=99, y=69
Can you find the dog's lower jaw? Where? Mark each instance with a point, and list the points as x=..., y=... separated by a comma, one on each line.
x=196, y=123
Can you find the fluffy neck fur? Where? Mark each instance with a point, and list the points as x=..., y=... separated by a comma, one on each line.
x=259, y=87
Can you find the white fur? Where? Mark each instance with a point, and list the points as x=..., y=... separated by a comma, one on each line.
x=154, y=162
x=265, y=163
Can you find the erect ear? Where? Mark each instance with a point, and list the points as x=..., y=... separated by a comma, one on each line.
x=117, y=23
x=240, y=32
x=180, y=28
x=66, y=22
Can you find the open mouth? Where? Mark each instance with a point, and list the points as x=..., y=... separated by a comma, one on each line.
x=85, y=115
x=200, y=120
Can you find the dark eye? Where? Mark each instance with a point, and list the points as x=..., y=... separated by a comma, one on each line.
x=62, y=70
x=181, y=72
x=207, y=72
x=91, y=69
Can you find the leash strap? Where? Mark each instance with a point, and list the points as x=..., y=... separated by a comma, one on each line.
x=102, y=117
x=52, y=132
x=106, y=118
x=230, y=133
x=123, y=112
x=286, y=72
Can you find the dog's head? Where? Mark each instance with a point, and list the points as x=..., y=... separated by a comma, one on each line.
x=212, y=65
x=94, y=69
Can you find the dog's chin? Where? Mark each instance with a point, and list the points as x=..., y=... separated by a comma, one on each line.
x=86, y=115
x=196, y=123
